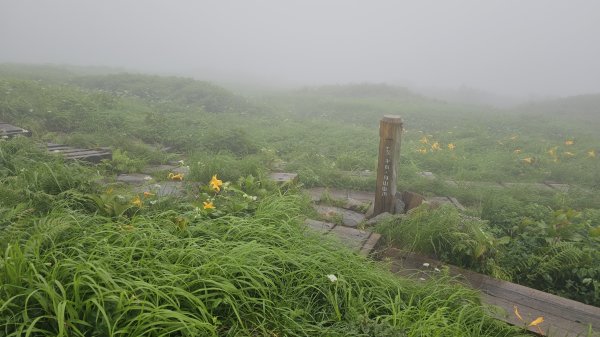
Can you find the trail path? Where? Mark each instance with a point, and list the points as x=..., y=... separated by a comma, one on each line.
x=562, y=317
x=341, y=214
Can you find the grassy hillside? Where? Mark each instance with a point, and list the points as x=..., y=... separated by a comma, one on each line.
x=541, y=238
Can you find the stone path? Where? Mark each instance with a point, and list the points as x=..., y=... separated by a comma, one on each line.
x=342, y=214
x=348, y=215
x=362, y=241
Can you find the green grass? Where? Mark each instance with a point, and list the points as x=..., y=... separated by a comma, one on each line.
x=79, y=275
x=256, y=271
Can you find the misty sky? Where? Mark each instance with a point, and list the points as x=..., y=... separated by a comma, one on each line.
x=519, y=47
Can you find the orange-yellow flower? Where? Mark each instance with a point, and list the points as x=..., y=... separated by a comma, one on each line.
x=424, y=140
x=517, y=313
x=592, y=153
x=137, y=201
x=208, y=205
x=537, y=321
x=148, y=194
x=435, y=146
x=528, y=160
x=177, y=177
x=517, y=151
x=215, y=183
x=451, y=146
x=422, y=150
x=569, y=142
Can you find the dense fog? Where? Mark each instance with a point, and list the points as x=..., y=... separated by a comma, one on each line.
x=519, y=48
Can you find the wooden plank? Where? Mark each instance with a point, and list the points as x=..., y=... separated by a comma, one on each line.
x=93, y=158
x=69, y=150
x=71, y=153
x=58, y=148
x=562, y=317
x=370, y=244
x=81, y=152
x=390, y=129
x=10, y=131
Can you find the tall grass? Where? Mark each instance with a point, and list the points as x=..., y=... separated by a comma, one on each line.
x=72, y=274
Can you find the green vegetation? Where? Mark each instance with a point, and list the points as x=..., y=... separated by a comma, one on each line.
x=81, y=262
x=80, y=258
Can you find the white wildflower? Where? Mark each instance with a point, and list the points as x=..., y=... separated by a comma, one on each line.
x=426, y=265
x=332, y=278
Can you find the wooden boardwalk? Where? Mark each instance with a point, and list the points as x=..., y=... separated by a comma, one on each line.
x=562, y=317
x=89, y=155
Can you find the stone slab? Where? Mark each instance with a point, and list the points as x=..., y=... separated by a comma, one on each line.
x=427, y=175
x=457, y=204
x=319, y=226
x=134, y=178
x=351, y=237
x=282, y=177
x=356, y=205
x=364, y=196
x=349, y=218
x=158, y=168
x=320, y=193
x=411, y=200
x=170, y=188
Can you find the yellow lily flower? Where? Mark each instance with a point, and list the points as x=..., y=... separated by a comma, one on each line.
x=435, y=146
x=177, y=177
x=517, y=313
x=215, y=183
x=592, y=153
x=424, y=140
x=569, y=142
x=148, y=194
x=451, y=146
x=137, y=201
x=208, y=205
x=528, y=160
x=537, y=321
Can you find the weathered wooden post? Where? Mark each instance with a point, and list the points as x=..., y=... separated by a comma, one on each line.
x=390, y=129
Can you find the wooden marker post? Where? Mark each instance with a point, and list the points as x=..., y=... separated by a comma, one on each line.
x=390, y=129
